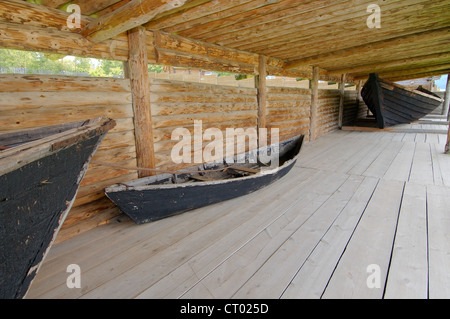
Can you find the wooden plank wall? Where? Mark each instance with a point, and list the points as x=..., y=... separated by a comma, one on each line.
x=351, y=107
x=328, y=112
x=177, y=104
x=28, y=101
x=289, y=109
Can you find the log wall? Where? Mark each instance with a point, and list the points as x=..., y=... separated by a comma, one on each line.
x=178, y=104
x=328, y=112
x=289, y=109
x=28, y=101
x=351, y=107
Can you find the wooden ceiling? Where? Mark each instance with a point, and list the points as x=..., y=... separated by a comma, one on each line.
x=413, y=41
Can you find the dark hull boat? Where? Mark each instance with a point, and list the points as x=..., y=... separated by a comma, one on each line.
x=393, y=104
x=156, y=197
x=40, y=173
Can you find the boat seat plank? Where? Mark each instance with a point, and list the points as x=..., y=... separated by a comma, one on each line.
x=245, y=169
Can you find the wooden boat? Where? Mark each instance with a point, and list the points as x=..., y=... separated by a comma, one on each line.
x=393, y=104
x=156, y=197
x=40, y=172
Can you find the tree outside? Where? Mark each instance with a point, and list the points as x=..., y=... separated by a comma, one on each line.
x=24, y=62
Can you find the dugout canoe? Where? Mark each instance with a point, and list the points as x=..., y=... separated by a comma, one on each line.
x=393, y=104
x=40, y=173
x=153, y=198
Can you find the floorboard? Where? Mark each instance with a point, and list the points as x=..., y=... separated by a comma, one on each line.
x=361, y=215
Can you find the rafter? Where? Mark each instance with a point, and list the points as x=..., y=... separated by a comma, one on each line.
x=408, y=72
x=131, y=15
x=442, y=33
x=418, y=75
x=391, y=64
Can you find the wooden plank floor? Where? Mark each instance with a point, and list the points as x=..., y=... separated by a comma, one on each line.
x=362, y=215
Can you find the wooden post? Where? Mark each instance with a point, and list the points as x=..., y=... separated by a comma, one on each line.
x=447, y=146
x=445, y=111
x=341, y=101
x=445, y=107
x=260, y=84
x=140, y=88
x=314, y=86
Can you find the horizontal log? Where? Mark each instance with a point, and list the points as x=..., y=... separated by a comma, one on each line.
x=169, y=109
x=90, y=193
x=176, y=43
x=31, y=100
x=117, y=154
x=287, y=90
x=11, y=120
x=207, y=118
x=176, y=58
x=302, y=104
x=165, y=133
x=159, y=85
x=133, y=14
x=32, y=38
x=57, y=83
x=187, y=97
x=279, y=111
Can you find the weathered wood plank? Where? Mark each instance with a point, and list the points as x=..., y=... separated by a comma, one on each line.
x=438, y=198
x=238, y=276
x=422, y=166
x=261, y=86
x=140, y=88
x=408, y=271
x=314, y=86
x=371, y=244
x=133, y=14
x=274, y=276
x=312, y=278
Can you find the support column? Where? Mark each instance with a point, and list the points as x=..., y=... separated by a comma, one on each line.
x=447, y=146
x=445, y=111
x=261, y=86
x=314, y=86
x=140, y=88
x=341, y=101
x=445, y=107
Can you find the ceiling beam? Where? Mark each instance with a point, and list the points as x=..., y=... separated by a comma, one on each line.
x=369, y=47
x=89, y=7
x=399, y=63
x=418, y=75
x=131, y=15
x=436, y=69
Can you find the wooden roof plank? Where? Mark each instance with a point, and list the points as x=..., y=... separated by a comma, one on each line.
x=368, y=47
x=355, y=31
x=89, y=7
x=342, y=28
x=392, y=64
x=131, y=15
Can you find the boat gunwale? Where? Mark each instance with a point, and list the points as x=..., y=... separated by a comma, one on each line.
x=28, y=152
x=399, y=86
x=126, y=187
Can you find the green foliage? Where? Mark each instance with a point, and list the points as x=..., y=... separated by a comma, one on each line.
x=155, y=68
x=13, y=61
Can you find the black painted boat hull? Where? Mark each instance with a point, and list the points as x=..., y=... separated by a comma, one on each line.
x=393, y=104
x=145, y=200
x=40, y=173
